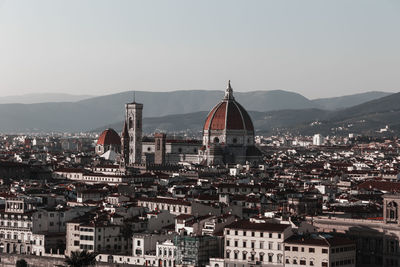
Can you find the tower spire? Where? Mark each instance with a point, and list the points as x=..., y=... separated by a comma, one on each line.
x=229, y=92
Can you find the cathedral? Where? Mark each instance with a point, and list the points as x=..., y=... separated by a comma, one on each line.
x=228, y=138
x=228, y=134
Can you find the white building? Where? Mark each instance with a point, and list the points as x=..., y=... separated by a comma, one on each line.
x=319, y=250
x=318, y=140
x=249, y=243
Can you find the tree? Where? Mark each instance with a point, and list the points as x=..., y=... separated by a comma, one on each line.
x=21, y=263
x=81, y=259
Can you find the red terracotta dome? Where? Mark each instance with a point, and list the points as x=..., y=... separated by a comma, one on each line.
x=228, y=115
x=109, y=137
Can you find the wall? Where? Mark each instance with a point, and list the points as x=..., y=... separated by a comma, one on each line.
x=7, y=260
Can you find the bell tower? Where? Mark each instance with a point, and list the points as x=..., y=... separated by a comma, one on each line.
x=124, y=162
x=133, y=120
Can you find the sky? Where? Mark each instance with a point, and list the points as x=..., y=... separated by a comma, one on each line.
x=317, y=48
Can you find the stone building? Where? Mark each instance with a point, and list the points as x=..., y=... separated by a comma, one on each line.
x=319, y=250
x=162, y=150
x=377, y=239
x=251, y=243
x=195, y=250
x=228, y=134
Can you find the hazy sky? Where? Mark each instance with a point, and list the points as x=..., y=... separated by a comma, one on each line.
x=317, y=48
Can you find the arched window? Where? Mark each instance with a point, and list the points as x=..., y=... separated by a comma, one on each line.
x=130, y=123
x=216, y=140
x=392, y=212
x=279, y=258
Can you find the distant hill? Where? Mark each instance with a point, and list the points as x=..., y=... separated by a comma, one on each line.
x=42, y=98
x=162, y=110
x=95, y=112
x=182, y=102
x=264, y=122
x=368, y=118
x=341, y=102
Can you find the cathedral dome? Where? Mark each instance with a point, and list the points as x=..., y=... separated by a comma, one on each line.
x=109, y=137
x=228, y=115
x=228, y=133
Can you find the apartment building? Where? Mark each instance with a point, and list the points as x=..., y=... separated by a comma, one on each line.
x=319, y=250
x=251, y=242
x=96, y=234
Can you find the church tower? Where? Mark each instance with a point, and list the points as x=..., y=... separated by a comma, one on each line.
x=124, y=147
x=133, y=123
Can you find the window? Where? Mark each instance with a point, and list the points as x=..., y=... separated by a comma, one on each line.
x=287, y=248
x=252, y=245
x=294, y=261
x=261, y=257
x=227, y=231
x=279, y=235
x=311, y=250
x=261, y=245
x=302, y=262
x=236, y=243
x=311, y=263
x=244, y=233
x=244, y=244
x=261, y=234
x=236, y=232
x=130, y=123
x=279, y=258
x=252, y=234
x=295, y=249
x=325, y=251
x=287, y=261
x=270, y=235
x=302, y=249
x=324, y=264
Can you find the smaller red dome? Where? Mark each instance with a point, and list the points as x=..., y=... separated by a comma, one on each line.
x=109, y=137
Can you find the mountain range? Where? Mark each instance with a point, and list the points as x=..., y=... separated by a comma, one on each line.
x=175, y=111
x=366, y=118
x=42, y=98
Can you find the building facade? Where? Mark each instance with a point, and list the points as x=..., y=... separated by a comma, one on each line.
x=250, y=243
x=228, y=134
x=132, y=134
